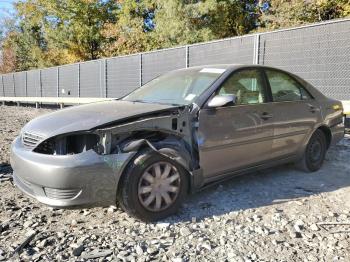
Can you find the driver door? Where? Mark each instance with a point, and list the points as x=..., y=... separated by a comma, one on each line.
x=238, y=136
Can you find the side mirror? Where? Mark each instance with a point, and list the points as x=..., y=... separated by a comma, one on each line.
x=222, y=100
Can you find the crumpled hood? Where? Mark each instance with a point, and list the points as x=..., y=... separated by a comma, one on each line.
x=86, y=117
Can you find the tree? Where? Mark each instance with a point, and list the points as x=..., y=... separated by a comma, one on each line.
x=154, y=24
x=7, y=54
x=281, y=13
x=54, y=32
x=186, y=22
x=129, y=34
x=46, y=33
x=77, y=25
x=8, y=58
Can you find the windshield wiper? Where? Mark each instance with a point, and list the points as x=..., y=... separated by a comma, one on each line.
x=138, y=101
x=153, y=102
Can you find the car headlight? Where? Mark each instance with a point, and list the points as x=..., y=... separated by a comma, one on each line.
x=68, y=144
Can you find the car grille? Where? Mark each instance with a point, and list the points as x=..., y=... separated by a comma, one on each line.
x=61, y=194
x=31, y=141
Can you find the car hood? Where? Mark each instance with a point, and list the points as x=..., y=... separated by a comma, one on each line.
x=86, y=117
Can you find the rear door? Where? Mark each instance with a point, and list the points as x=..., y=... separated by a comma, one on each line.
x=236, y=136
x=295, y=113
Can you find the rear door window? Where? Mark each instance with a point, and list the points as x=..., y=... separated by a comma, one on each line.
x=285, y=88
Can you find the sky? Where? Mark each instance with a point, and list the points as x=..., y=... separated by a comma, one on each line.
x=5, y=7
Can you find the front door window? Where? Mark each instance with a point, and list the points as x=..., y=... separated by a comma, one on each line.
x=247, y=85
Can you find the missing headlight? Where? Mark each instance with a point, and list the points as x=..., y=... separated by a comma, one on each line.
x=68, y=145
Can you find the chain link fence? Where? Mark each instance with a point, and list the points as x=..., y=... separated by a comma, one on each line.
x=319, y=53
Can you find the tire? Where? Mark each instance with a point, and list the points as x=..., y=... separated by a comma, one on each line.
x=315, y=153
x=135, y=180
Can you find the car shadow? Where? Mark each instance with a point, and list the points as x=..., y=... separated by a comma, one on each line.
x=268, y=187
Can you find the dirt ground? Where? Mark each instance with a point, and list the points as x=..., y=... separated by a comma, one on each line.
x=279, y=214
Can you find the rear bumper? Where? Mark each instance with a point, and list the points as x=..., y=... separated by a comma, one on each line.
x=347, y=121
x=70, y=180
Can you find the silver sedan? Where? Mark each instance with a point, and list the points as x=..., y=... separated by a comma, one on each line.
x=177, y=134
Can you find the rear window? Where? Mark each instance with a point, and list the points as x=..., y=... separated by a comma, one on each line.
x=285, y=88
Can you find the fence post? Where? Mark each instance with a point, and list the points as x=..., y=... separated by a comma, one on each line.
x=140, y=70
x=58, y=82
x=14, y=84
x=40, y=83
x=106, y=78
x=187, y=56
x=26, y=83
x=103, y=78
x=78, y=79
x=2, y=86
x=256, y=49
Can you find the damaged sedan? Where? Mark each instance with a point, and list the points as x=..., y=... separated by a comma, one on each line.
x=176, y=134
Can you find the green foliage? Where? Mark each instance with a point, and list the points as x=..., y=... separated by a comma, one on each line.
x=287, y=13
x=186, y=22
x=129, y=34
x=54, y=32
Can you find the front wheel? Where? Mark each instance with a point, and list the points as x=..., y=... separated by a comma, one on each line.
x=315, y=153
x=153, y=186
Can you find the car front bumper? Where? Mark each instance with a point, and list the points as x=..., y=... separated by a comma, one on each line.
x=85, y=179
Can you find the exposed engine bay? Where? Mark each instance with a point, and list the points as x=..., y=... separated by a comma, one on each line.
x=173, y=128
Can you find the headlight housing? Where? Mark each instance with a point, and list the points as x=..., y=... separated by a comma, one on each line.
x=69, y=144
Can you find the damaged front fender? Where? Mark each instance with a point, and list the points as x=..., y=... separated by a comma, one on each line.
x=174, y=123
x=175, y=150
x=169, y=134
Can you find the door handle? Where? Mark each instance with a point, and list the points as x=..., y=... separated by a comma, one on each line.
x=266, y=116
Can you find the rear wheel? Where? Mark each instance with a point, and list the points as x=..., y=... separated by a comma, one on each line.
x=314, y=153
x=153, y=187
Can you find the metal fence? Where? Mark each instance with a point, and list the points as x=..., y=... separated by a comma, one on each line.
x=319, y=53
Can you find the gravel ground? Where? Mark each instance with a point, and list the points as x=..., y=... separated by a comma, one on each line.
x=279, y=214
x=12, y=119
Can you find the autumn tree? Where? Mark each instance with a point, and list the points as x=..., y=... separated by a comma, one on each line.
x=7, y=54
x=186, y=22
x=8, y=61
x=286, y=13
x=154, y=24
x=77, y=25
x=53, y=32
x=129, y=34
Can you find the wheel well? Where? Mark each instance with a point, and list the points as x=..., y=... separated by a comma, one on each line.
x=328, y=134
x=145, y=150
x=155, y=140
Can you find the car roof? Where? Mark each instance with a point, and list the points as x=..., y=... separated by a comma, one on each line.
x=230, y=66
x=221, y=66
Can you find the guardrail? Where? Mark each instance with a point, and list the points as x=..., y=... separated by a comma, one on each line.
x=61, y=101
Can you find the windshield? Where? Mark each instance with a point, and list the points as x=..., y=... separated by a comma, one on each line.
x=179, y=87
